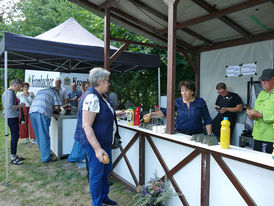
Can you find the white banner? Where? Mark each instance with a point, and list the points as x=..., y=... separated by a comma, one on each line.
x=43, y=79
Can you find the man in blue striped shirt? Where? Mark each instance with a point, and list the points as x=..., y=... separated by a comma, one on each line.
x=46, y=102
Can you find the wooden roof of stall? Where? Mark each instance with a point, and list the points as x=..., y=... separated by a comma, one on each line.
x=201, y=25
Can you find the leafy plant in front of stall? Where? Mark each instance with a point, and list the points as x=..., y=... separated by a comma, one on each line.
x=155, y=193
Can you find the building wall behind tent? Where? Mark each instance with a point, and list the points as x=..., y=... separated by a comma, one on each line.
x=213, y=70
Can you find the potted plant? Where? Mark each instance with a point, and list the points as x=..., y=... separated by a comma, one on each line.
x=155, y=193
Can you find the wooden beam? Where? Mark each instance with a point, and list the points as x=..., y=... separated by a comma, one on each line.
x=240, y=41
x=149, y=9
x=107, y=40
x=197, y=36
x=171, y=64
x=165, y=168
x=118, y=52
x=142, y=159
x=198, y=74
x=158, y=14
x=225, y=19
x=88, y=5
x=138, y=43
x=205, y=178
x=192, y=65
x=134, y=19
x=218, y=13
x=108, y=4
x=233, y=179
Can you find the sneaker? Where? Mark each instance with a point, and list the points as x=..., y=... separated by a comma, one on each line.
x=26, y=141
x=34, y=141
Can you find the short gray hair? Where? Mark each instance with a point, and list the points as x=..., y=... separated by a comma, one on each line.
x=16, y=81
x=96, y=74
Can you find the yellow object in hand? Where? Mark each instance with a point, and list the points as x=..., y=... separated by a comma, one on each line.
x=106, y=159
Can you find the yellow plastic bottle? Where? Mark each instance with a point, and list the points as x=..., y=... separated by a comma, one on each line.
x=130, y=117
x=225, y=133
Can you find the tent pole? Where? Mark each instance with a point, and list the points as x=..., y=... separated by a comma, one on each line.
x=6, y=115
x=159, y=87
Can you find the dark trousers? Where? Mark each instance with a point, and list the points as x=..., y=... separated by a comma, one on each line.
x=14, y=130
x=262, y=146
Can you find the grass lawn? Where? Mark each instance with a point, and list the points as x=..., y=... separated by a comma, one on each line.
x=56, y=183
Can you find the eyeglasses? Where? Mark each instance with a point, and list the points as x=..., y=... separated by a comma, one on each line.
x=108, y=80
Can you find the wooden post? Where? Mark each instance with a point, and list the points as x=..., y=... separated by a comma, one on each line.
x=197, y=74
x=107, y=39
x=142, y=158
x=171, y=63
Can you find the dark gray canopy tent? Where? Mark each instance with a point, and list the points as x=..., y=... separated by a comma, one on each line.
x=65, y=48
x=32, y=53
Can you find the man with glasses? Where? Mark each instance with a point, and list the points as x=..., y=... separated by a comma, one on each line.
x=227, y=105
x=263, y=114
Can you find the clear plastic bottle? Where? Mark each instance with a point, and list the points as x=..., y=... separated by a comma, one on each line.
x=225, y=133
x=130, y=117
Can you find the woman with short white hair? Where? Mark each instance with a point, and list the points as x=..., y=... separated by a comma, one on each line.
x=95, y=129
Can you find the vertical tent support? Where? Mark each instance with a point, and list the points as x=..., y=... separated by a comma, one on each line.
x=159, y=87
x=6, y=115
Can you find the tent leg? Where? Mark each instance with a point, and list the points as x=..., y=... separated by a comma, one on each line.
x=6, y=116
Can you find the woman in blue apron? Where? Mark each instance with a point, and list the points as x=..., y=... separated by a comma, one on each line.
x=95, y=129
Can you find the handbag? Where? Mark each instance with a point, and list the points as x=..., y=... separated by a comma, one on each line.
x=23, y=119
x=117, y=138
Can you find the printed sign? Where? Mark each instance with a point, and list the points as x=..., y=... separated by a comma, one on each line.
x=249, y=69
x=233, y=71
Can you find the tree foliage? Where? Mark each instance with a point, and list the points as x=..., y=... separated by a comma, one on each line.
x=32, y=17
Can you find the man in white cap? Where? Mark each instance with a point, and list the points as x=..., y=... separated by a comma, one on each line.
x=263, y=114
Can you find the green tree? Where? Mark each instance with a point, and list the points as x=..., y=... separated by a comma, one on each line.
x=32, y=17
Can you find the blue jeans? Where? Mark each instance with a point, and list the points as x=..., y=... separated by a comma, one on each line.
x=14, y=130
x=40, y=124
x=98, y=176
x=77, y=153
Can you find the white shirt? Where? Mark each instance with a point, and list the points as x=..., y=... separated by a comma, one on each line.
x=63, y=94
x=26, y=99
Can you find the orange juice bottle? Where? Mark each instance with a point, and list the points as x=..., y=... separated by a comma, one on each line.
x=225, y=133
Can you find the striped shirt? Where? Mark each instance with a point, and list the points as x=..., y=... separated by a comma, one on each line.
x=44, y=102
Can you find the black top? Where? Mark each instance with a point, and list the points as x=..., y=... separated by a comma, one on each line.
x=230, y=100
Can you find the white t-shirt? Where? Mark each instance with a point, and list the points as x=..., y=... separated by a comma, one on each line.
x=91, y=103
x=63, y=94
x=26, y=99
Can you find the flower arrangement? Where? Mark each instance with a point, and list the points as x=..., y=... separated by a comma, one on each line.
x=155, y=193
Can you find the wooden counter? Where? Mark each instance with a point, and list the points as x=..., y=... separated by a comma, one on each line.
x=203, y=175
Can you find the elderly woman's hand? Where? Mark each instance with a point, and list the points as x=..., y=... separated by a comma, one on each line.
x=100, y=155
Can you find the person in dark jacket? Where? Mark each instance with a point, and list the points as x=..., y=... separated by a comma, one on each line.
x=95, y=130
x=192, y=112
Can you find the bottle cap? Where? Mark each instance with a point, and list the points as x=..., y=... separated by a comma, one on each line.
x=225, y=118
